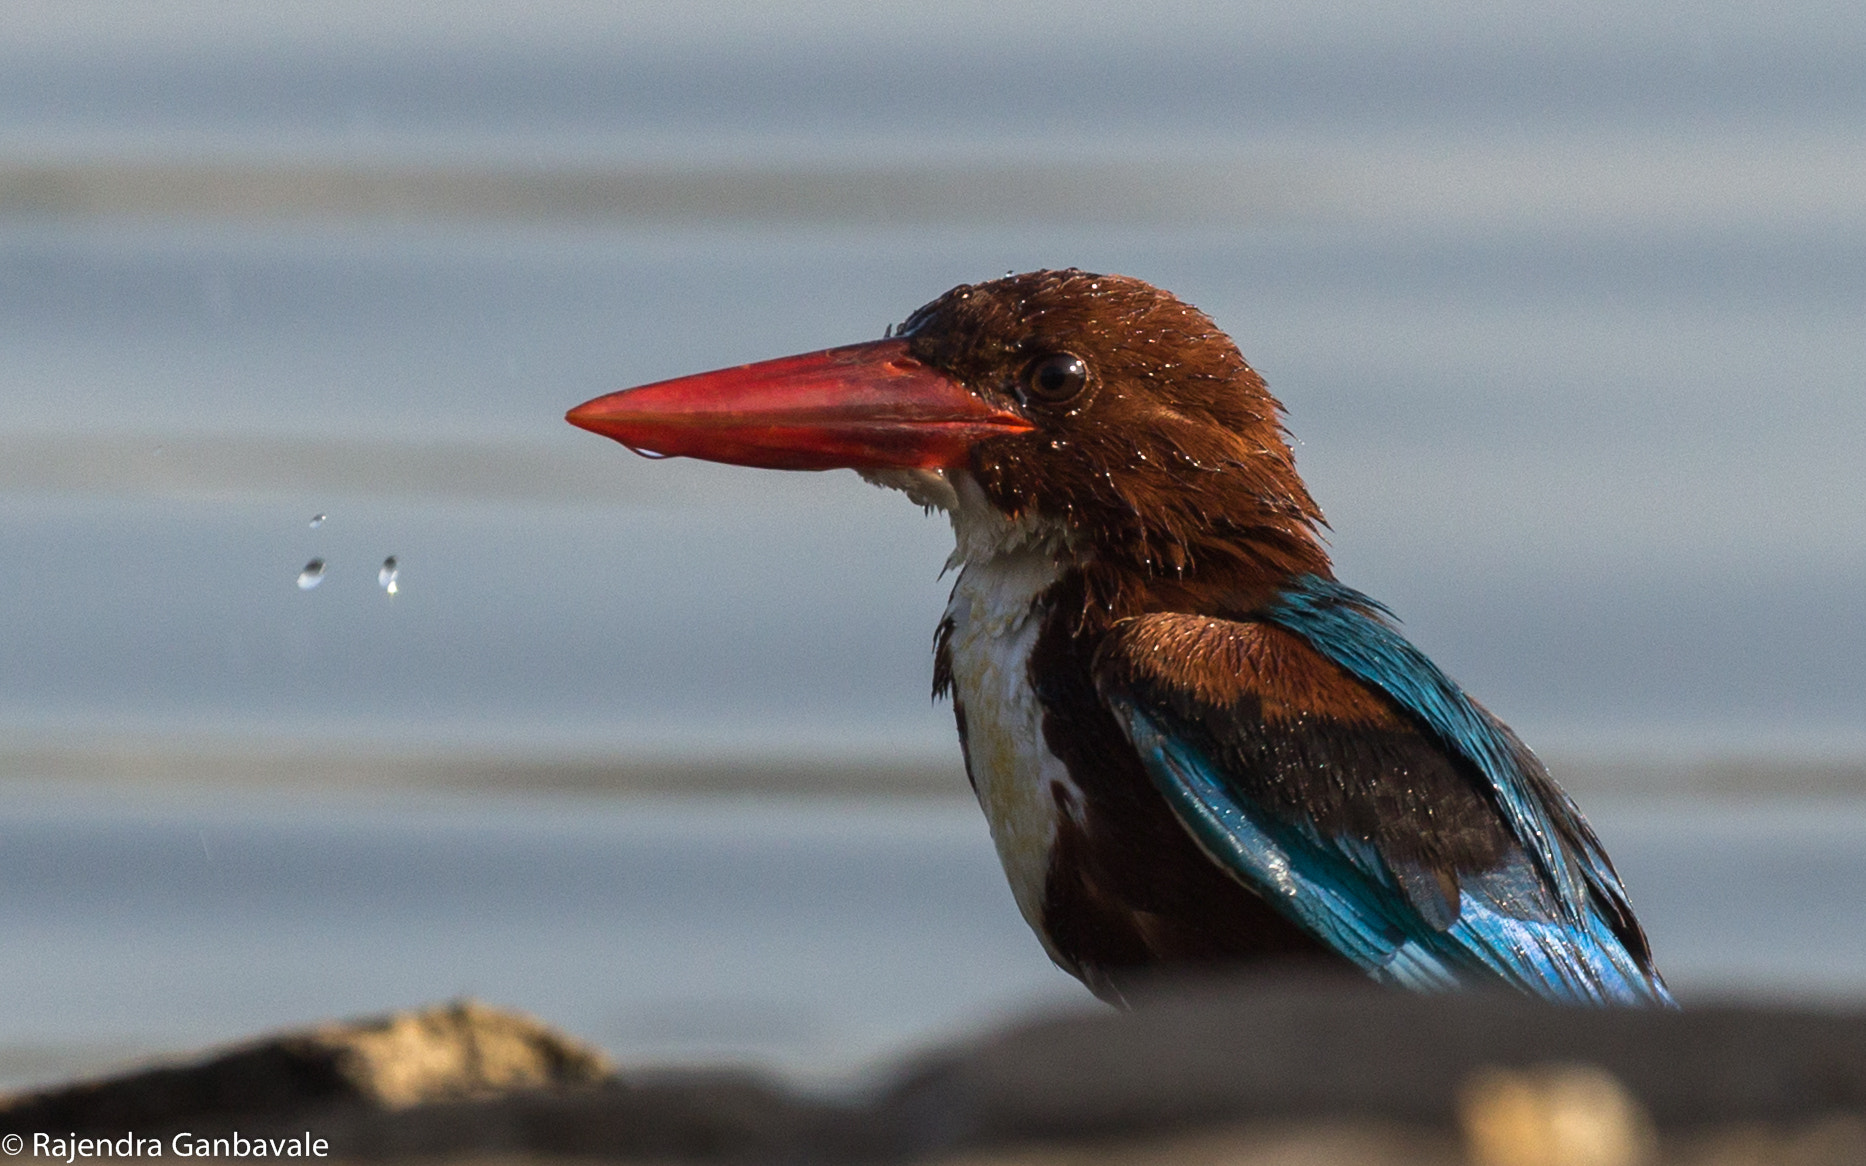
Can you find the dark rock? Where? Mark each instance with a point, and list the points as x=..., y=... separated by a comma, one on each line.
x=1200, y=1054
x=1311, y=1061
x=454, y=1052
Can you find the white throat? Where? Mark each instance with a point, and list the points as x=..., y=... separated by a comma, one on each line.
x=1005, y=565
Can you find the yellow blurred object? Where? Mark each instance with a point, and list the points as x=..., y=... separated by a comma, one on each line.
x=1554, y=1115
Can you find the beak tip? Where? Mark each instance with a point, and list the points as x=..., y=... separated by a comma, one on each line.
x=583, y=417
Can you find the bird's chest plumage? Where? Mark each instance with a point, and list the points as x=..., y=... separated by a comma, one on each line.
x=996, y=618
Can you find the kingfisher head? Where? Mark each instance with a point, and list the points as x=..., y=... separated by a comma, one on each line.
x=1095, y=415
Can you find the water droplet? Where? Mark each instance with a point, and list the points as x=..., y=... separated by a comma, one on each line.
x=651, y=455
x=317, y=520
x=312, y=575
x=388, y=575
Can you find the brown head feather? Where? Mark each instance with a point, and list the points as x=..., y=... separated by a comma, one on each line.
x=1170, y=468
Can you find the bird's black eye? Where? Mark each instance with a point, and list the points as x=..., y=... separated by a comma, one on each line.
x=1056, y=378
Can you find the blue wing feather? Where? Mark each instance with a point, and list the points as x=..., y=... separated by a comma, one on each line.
x=1534, y=921
x=1347, y=627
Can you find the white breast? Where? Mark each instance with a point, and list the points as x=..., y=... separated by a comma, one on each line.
x=994, y=629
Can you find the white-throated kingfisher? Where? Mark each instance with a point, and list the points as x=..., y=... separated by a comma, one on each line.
x=1195, y=748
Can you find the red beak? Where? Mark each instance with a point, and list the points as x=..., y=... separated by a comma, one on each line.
x=864, y=406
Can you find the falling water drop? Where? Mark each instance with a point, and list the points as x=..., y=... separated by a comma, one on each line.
x=312, y=575
x=317, y=520
x=388, y=575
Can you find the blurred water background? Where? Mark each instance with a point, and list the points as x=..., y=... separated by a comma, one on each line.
x=1567, y=305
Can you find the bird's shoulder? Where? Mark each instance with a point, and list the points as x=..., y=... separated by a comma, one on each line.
x=1301, y=739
